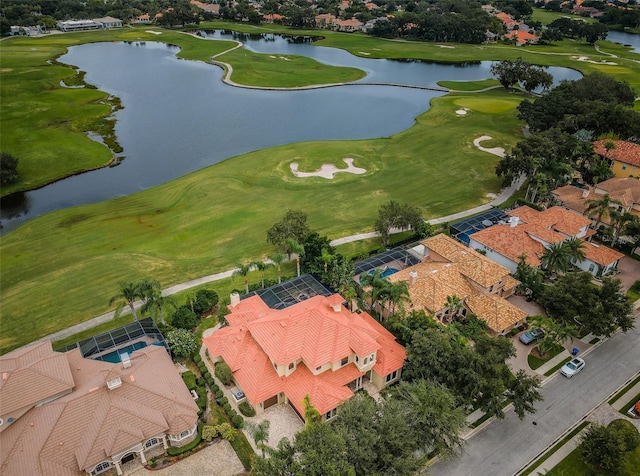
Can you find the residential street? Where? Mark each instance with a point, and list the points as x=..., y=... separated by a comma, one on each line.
x=505, y=446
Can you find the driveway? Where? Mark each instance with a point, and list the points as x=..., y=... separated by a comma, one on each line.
x=219, y=459
x=629, y=271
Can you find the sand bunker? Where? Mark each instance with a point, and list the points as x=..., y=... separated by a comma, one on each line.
x=587, y=60
x=153, y=32
x=462, y=112
x=364, y=53
x=328, y=171
x=445, y=46
x=499, y=151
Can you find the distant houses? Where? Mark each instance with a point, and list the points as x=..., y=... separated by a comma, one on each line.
x=94, y=24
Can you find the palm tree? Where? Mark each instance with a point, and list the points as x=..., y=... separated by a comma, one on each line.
x=600, y=208
x=575, y=249
x=262, y=267
x=277, y=259
x=326, y=258
x=293, y=247
x=556, y=258
x=454, y=305
x=191, y=300
x=260, y=433
x=243, y=270
x=397, y=294
x=128, y=293
x=619, y=221
x=375, y=286
x=154, y=302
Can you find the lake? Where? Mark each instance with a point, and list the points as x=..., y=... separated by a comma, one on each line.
x=625, y=39
x=179, y=117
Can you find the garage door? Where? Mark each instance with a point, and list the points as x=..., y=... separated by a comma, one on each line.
x=269, y=402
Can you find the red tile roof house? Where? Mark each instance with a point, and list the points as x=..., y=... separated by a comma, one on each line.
x=452, y=269
x=624, y=158
x=315, y=347
x=63, y=415
x=625, y=190
x=531, y=232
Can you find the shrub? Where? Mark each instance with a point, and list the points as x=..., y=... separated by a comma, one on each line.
x=209, y=432
x=189, y=379
x=202, y=398
x=184, y=318
x=182, y=342
x=206, y=374
x=175, y=451
x=231, y=413
x=210, y=382
x=627, y=433
x=237, y=421
x=206, y=300
x=214, y=388
x=223, y=401
x=223, y=372
x=219, y=394
x=197, y=359
x=227, y=408
x=246, y=409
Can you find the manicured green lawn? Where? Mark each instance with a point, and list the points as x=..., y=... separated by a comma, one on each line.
x=573, y=465
x=45, y=124
x=61, y=268
x=546, y=16
x=537, y=362
x=469, y=85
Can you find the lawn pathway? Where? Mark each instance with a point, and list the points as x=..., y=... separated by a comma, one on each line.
x=96, y=321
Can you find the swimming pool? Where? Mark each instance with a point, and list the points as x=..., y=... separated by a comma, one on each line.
x=114, y=357
x=388, y=272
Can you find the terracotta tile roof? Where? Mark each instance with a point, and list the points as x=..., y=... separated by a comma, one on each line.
x=430, y=292
x=37, y=368
x=434, y=283
x=573, y=197
x=624, y=189
x=522, y=36
x=325, y=392
x=600, y=254
x=498, y=313
x=86, y=426
x=310, y=333
x=512, y=242
x=556, y=218
x=626, y=152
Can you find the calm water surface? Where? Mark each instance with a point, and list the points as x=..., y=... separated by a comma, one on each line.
x=625, y=39
x=179, y=117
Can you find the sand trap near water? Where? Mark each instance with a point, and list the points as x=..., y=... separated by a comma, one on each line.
x=328, y=171
x=153, y=32
x=586, y=59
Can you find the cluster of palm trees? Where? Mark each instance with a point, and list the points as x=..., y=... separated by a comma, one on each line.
x=144, y=290
x=383, y=296
x=558, y=257
x=620, y=220
x=291, y=248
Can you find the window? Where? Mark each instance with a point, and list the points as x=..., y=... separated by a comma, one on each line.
x=592, y=267
x=292, y=365
x=491, y=288
x=318, y=368
x=344, y=361
x=102, y=467
x=151, y=442
x=331, y=414
x=185, y=433
x=357, y=359
x=392, y=376
x=624, y=166
x=366, y=360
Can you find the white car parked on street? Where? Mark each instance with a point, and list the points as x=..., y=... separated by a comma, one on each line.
x=572, y=367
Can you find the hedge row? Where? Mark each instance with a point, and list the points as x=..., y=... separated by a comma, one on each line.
x=175, y=451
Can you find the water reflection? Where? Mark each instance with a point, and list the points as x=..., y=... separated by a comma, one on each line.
x=179, y=117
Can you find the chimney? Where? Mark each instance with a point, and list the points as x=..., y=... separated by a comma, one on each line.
x=585, y=193
x=336, y=307
x=413, y=277
x=235, y=299
x=513, y=221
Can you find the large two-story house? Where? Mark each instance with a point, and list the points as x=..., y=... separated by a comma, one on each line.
x=315, y=348
x=62, y=414
x=530, y=232
x=450, y=269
